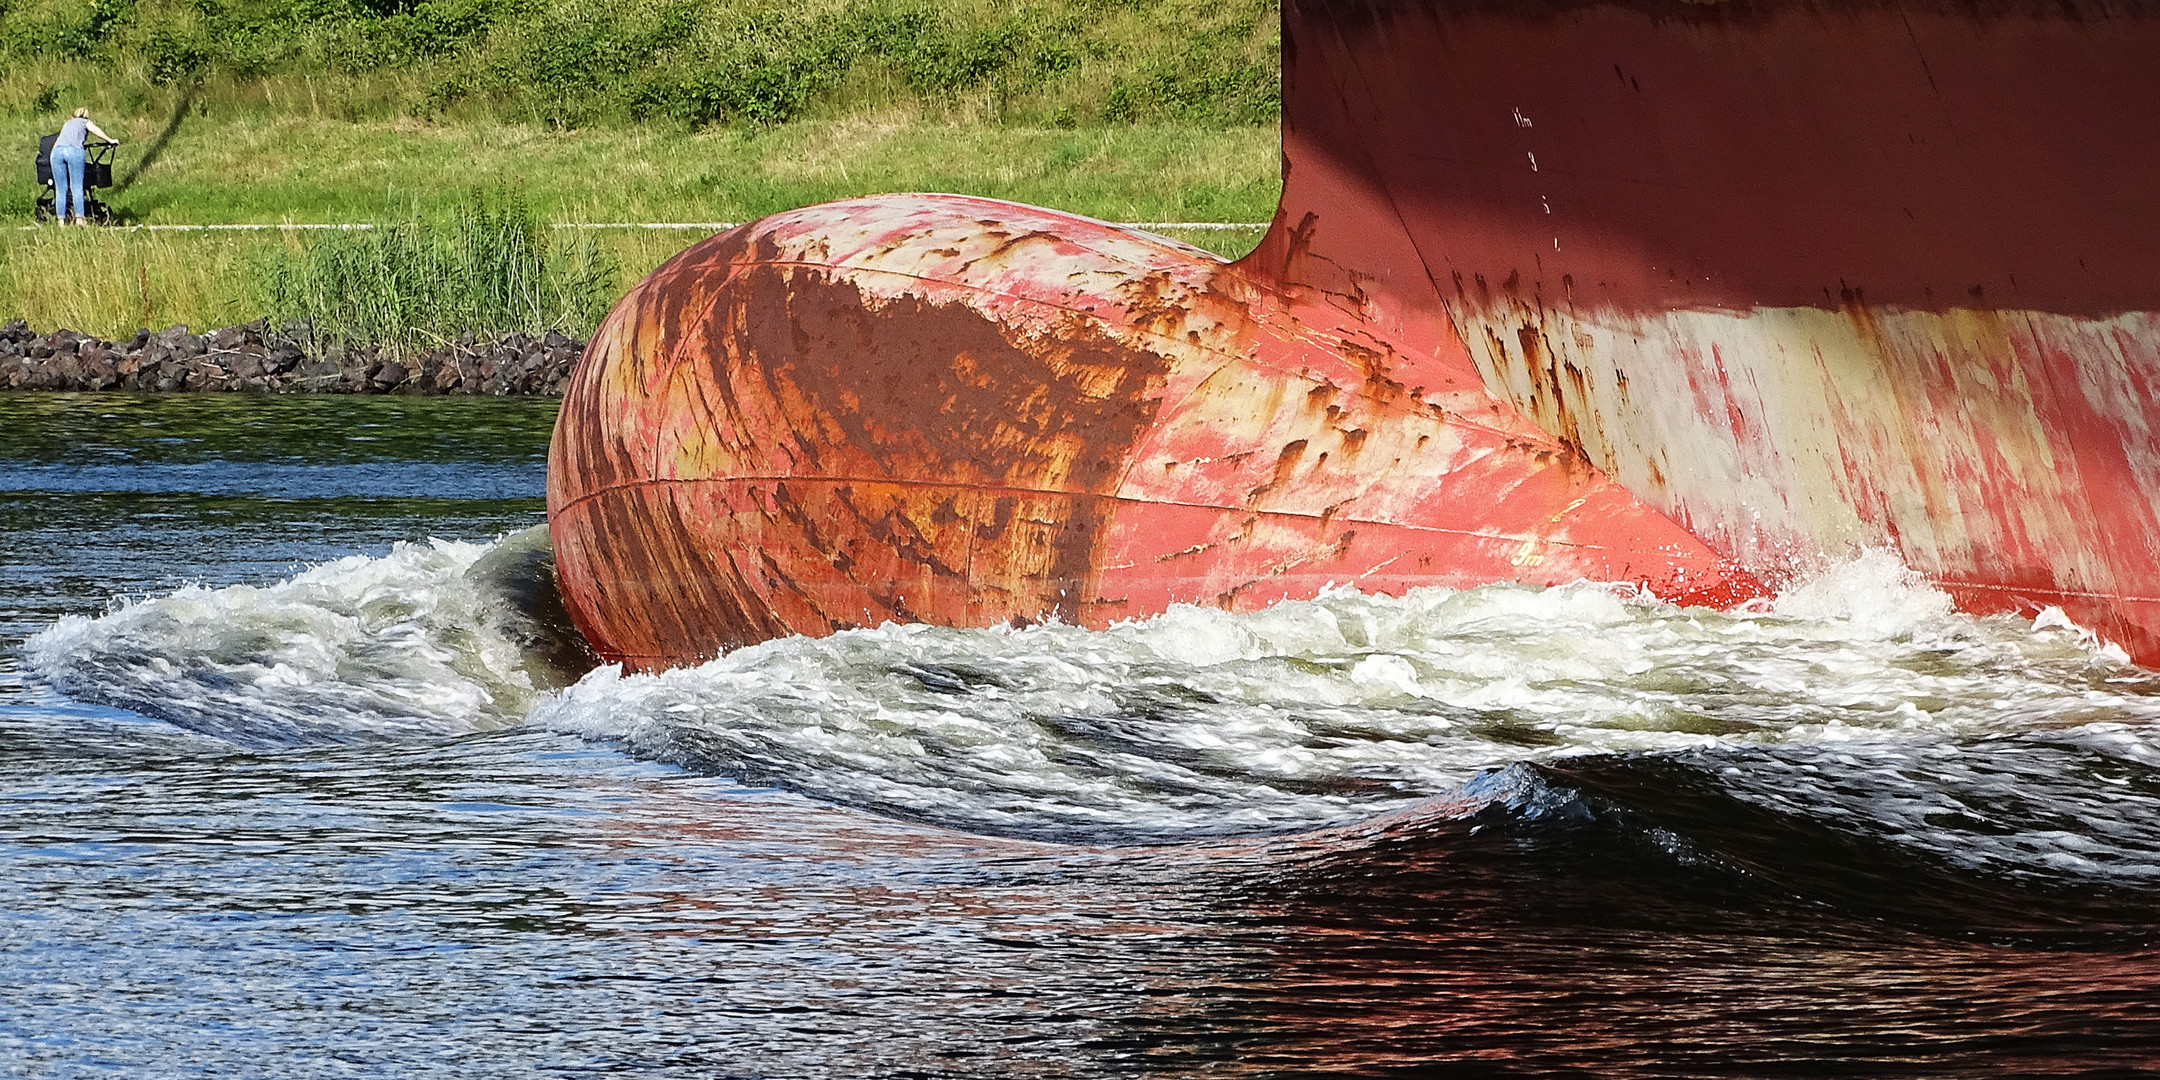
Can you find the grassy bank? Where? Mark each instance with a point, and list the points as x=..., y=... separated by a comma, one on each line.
x=109, y=282
x=269, y=168
x=637, y=110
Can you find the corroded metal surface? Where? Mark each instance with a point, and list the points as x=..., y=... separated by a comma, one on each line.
x=1810, y=277
x=1641, y=290
x=968, y=412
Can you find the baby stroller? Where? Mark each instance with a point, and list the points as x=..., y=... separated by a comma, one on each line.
x=97, y=173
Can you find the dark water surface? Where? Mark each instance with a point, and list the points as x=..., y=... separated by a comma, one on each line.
x=293, y=806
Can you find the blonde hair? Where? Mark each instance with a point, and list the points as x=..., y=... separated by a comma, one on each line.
x=83, y=111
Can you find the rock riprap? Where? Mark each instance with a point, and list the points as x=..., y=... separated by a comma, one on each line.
x=254, y=358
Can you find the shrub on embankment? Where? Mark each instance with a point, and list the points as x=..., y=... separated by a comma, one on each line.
x=570, y=63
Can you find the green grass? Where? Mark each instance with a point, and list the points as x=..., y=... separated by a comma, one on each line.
x=109, y=282
x=267, y=167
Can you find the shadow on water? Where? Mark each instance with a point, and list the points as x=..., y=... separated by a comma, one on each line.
x=1644, y=917
x=1861, y=866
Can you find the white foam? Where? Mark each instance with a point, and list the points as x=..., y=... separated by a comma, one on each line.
x=1874, y=595
x=359, y=647
x=1307, y=713
x=1313, y=712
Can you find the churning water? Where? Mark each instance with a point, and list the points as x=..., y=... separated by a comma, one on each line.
x=289, y=792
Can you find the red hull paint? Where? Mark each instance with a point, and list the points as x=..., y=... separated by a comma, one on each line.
x=1808, y=277
x=1547, y=279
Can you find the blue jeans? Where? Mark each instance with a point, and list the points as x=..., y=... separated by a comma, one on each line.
x=67, y=175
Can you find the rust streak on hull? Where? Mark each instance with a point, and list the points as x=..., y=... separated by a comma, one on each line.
x=1809, y=278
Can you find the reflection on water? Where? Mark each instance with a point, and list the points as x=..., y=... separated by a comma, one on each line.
x=297, y=807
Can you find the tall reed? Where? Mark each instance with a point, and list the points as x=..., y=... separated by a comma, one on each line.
x=490, y=268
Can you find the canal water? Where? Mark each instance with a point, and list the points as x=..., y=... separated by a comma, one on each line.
x=281, y=794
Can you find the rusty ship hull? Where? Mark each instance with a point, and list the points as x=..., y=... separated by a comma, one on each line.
x=1694, y=296
x=968, y=412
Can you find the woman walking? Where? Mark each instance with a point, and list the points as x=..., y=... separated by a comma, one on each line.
x=67, y=164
